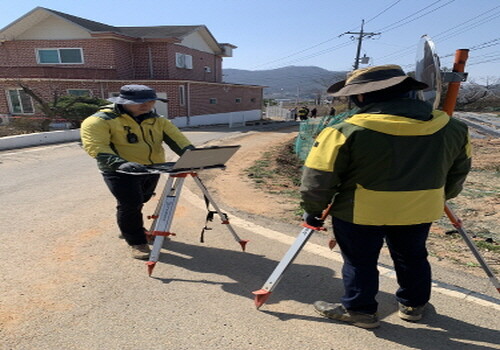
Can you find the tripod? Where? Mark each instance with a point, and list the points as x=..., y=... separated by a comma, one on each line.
x=164, y=213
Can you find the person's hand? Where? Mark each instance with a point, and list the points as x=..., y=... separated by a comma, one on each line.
x=313, y=219
x=132, y=167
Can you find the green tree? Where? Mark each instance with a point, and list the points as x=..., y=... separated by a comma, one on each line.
x=62, y=106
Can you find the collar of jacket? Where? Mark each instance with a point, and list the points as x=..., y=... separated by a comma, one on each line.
x=401, y=117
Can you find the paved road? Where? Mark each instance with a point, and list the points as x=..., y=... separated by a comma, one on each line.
x=67, y=281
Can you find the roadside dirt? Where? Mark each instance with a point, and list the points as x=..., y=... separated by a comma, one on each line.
x=478, y=205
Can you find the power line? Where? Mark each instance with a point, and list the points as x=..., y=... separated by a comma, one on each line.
x=388, y=27
x=328, y=40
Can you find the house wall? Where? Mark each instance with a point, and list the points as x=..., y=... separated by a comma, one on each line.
x=109, y=59
x=198, y=94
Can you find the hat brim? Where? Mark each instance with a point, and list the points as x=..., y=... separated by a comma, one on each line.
x=122, y=101
x=340, y=89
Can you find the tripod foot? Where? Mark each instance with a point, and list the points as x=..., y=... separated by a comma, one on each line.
x=261, y=297
x=243, y=244
x=151, y=266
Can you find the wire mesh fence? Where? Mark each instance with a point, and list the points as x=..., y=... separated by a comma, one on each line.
x=311, y=128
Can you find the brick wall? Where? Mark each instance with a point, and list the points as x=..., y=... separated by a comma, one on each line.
x=109, y=59
x=199, y=94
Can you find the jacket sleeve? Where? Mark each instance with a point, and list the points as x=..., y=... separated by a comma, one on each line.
x=174, y=138
x=323, y=170
x=96, y=141
x=458, y=171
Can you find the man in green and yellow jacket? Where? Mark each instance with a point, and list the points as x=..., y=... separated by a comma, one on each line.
x=388, y=170
x=123, y=137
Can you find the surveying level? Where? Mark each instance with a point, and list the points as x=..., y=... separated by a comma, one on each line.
x=264, y=293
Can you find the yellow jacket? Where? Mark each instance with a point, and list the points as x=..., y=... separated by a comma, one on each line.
x=106, y=136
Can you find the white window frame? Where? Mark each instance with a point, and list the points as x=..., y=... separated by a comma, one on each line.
x=183, y=60
x=88, y=92
x=182, y=95
x=208, y=69
x=11, y=106
x=58, y=49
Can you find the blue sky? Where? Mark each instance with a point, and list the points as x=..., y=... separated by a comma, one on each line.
x=277, y=33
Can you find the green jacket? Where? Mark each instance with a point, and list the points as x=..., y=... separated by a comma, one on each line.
x=104, y=137
x=392, y=163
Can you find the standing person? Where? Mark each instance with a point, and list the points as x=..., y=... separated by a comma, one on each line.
x=389, y=169
x=314, y=112
x=332, y=111
x=125, y=136
x=293, y=113
x=303, y=113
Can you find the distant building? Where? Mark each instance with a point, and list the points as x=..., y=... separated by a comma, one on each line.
x=51, y=51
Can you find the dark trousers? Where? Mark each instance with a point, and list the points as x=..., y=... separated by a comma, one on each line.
x=131, y=192
x=360, y=247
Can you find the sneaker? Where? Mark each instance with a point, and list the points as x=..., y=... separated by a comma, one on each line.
x=338, y=312
x=140, y=251
x=410, y=313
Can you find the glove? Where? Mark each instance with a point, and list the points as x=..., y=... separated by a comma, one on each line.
x=313, y=220
x=132, y=167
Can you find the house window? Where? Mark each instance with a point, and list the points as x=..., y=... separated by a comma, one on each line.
x=60, y=56
x=207, y=69
x=252, y=99
x=238, y=100
x=213, y=101
x=20, y=102
x=182, y=95
x=78, y=92
x=183, y=61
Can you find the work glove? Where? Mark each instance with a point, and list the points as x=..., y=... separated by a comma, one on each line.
x=313, y=220
x=133, y=167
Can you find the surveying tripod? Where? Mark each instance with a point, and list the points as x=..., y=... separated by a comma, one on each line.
x=164, y=213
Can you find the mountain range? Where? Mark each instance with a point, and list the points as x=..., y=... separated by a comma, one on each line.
x=287, y=82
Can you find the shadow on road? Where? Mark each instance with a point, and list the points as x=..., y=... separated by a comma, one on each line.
x=308, y=283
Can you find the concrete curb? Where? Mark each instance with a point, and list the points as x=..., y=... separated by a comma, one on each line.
x=39, y=139
x=73, y=135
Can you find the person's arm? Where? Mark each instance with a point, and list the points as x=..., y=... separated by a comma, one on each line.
x=96, y=141
x=323, y=169
x=174, y=138
x=458, y=171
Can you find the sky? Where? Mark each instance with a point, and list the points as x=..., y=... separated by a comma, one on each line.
x=272, y=34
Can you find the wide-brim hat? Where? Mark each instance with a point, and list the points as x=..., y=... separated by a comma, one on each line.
x=364, y=80
x=136, y=94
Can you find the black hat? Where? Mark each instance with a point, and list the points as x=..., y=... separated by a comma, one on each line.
x=136, y=94
x=364, y=80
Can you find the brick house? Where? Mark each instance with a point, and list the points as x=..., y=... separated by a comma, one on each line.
x=51, y=51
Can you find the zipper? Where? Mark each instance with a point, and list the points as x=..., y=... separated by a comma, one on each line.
x=147, y=143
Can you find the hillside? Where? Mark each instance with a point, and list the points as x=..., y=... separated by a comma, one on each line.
x=286, y=82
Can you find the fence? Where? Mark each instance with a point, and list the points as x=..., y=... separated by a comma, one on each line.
x=277, y=113
x=311, y=127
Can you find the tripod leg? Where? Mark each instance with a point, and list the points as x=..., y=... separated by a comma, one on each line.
x=223, y=217
x=457, y=223
x=164, y=220
x=264, y=293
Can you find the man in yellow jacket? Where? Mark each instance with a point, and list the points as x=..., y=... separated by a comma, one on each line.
x=388, y=170
x=125, y=136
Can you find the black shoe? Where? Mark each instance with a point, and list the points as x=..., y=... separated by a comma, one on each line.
x=339, y=312
x=411, y=313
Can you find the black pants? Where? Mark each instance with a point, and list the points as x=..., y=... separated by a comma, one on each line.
x=131, y=192
x=360, y=247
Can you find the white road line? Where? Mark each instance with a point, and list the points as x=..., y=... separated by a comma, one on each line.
x=456, y=292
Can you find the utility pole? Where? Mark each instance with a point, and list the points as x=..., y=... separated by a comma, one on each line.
x=361, y=34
